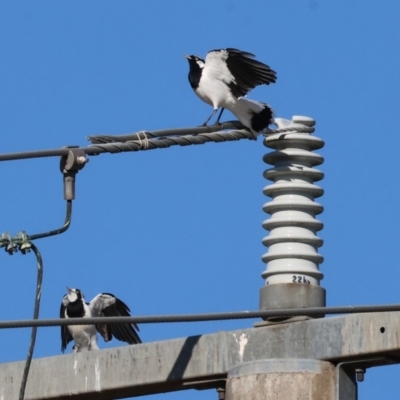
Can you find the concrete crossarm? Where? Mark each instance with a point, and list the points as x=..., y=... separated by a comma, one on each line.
x=203, y=361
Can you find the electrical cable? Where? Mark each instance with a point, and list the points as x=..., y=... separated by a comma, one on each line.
x=283, y=313
x=159, y=139
x=22, y=240
x=165, y=138
x=66, y=225
x=162, y=143
x=35, y=318
x=101, y=139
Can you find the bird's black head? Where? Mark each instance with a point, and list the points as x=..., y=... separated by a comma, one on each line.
x=195, y=61
x=196, y=65
x=74, y=295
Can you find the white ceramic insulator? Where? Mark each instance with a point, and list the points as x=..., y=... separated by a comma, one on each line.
x=292, y=255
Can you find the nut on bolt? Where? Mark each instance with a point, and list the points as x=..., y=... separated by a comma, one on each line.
x=82, y=160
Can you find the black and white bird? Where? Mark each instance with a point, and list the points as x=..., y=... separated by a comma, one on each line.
x=224, y=77
x=73, y=305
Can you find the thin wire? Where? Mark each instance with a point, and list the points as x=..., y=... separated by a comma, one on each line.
x=35, y=317
x=283, y=313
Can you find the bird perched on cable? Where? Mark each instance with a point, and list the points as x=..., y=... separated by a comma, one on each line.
x=73, y=305
x=224, y=77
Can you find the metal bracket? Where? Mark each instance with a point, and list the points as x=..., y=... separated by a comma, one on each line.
x=346, y=385
x=25, y=245
x=9, y=245
x=70, y=165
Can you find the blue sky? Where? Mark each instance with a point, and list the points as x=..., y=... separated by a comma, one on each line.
x=179, y=230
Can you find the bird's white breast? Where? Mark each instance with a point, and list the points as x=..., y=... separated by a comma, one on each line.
x=214, y=92
x=84, y=335
x=213, y=86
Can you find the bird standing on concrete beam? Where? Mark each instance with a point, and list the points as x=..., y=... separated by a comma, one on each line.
x=73, y=305
x=224, y=77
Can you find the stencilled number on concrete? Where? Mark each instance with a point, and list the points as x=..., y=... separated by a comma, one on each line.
x=300, y=279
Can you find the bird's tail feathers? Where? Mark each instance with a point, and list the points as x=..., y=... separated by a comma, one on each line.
x=254, y=115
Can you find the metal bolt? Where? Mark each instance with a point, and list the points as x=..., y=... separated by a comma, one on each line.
x=221, y=393
x=360, y=374
x=82, y=160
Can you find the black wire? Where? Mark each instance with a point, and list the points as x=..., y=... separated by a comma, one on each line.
x=21, y=238
x=34, y=154
x=66, y=225
x=152, y=319
x=35, y=317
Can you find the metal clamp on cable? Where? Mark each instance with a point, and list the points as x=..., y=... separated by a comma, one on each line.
x=7, y=242
x=70, y=165
x=25, y=245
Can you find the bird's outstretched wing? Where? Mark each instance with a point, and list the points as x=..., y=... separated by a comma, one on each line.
x=66, y=336
x=239, y=70
x=106, y=304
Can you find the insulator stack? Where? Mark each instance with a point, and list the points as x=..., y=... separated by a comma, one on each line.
x=292, y=275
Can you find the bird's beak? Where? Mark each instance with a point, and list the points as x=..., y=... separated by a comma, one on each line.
x=186, y=56
x=69, y=290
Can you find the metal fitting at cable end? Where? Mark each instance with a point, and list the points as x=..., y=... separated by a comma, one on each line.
x=70, y=165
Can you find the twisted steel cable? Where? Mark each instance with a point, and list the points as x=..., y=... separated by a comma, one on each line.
x=159, y=139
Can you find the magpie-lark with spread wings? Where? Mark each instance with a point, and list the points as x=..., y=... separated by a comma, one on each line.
x=73, y=305
x=224, y=77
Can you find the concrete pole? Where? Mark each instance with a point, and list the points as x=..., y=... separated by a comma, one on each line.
x=285, y=379
x=291, y=379
x=292, y=276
